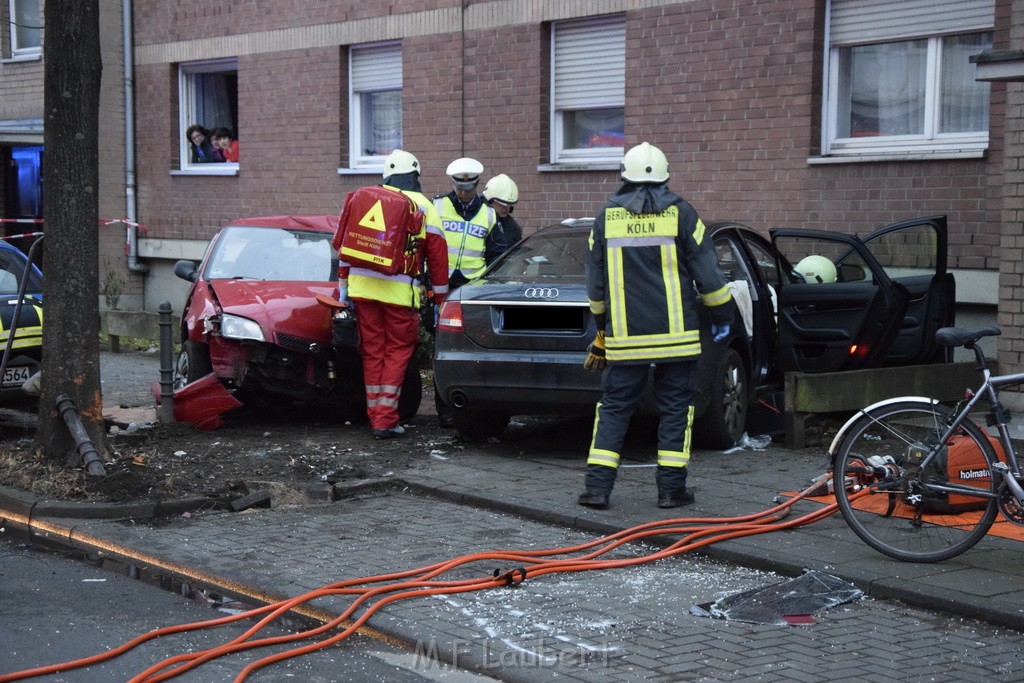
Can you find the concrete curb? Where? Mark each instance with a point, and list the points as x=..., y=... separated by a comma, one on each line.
x=25, y=504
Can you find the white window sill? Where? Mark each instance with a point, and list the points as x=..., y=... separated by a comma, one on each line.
x=852, y=158
x=22, y=58
x=215, y=169
x=579, y=166
x=361, y=171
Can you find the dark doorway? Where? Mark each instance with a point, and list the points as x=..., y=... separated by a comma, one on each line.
x=23, y=200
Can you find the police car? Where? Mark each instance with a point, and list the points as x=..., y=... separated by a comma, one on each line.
x=25, y=357
x=513, y=341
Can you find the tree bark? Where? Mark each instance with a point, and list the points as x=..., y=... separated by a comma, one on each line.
x=71, y=327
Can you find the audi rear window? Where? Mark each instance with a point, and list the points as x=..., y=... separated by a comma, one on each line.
x=539, y=256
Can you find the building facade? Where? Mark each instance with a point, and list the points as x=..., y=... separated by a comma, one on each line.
x=833, y=114
x=22, y=157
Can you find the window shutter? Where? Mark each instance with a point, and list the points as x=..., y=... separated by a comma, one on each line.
x=376, y=68
x=590, y=63
x=873, y=21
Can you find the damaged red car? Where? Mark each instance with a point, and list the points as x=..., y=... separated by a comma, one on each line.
x=252, y=318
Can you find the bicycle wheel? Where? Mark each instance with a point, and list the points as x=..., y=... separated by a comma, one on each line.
x=887, y=498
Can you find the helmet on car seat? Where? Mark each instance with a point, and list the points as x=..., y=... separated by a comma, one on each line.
x=644, y=163
x=399, y=162
x=815, y=269
x=502, y=188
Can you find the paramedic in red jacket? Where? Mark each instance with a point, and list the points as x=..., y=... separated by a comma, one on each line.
x=387, y=306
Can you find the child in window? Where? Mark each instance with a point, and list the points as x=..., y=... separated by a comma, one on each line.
x=225, y=142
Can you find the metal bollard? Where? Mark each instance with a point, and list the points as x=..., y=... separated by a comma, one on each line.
x=166, y=367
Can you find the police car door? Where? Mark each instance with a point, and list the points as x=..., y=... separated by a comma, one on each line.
x=840, y=310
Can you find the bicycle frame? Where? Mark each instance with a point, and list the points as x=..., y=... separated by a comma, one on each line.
x=997, y=416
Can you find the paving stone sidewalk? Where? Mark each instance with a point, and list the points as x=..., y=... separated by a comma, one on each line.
x=958, y=620
x=610, y=625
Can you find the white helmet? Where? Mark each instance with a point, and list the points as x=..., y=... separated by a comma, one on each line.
x=644, y=163
x=399, y=162
x=502, y=188
x=816, y=269
x=465, y=172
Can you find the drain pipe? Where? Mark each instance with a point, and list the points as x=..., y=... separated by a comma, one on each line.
x=134, y=265
x=90, y=456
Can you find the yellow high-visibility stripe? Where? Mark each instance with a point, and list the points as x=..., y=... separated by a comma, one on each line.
x=698, y=232
x=652, y=339
x=717, y=297
x=656, y=353
x=606, y=458
x=617, y=293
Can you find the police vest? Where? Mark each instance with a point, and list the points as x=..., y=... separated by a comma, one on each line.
x=466, y=239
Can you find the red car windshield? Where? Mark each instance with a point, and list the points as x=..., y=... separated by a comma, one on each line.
x=272, y=254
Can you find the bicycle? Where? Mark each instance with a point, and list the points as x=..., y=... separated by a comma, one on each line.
x=922, y=482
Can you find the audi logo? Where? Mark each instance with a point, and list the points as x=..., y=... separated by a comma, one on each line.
x=541, y=293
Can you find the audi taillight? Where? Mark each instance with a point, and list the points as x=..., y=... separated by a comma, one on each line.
x=450, y=317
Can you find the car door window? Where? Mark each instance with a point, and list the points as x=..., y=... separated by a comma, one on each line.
x=913, y=254
x=838, y=310
x=12, y=268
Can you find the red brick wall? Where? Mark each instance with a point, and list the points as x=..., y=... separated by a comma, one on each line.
x=1011, y=275
x=729, y=89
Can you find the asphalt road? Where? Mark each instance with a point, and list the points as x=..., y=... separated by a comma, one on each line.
x=56, y=608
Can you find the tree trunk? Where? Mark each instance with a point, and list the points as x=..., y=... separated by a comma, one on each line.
x=71, y=328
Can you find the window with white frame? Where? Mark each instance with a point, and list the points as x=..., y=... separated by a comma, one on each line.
x=375, y=103
x=899, y=80
x=588, y=85
x=25, y=27
x=208, y=97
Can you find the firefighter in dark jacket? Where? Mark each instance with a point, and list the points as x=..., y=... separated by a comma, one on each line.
x=501, y=193
x=647, y=249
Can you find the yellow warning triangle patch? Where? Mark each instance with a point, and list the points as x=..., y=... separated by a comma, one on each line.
x=374, y=218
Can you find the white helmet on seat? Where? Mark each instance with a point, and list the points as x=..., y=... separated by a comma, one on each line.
x=644, y=163
x=465, y=173
x=815, y=269
x=502, y=188
x=399, y=162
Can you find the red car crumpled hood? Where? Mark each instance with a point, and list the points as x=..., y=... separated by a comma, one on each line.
x=288, y=308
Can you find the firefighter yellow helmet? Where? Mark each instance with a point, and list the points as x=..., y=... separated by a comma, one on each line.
x=465, y=173
x=502, y=188
x=644, y=163
x=815, y=269
x=399, y=162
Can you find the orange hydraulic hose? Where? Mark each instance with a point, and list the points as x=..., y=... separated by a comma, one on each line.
x=419, y=582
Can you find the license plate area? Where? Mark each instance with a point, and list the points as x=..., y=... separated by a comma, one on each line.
x=16, y=376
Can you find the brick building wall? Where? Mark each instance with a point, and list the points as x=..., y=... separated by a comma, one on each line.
x=730, y=89
x=121, y=286
x=1011, y=274
x=21, y=99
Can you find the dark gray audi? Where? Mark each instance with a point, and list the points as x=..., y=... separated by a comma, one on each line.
x=513, y=341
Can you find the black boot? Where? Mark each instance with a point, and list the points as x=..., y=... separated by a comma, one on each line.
x=592, y=498
x=598, y=482
x=445, y=417
x=672, y=491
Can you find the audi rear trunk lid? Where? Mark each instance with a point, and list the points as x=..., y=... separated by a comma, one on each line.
x=554, y=316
